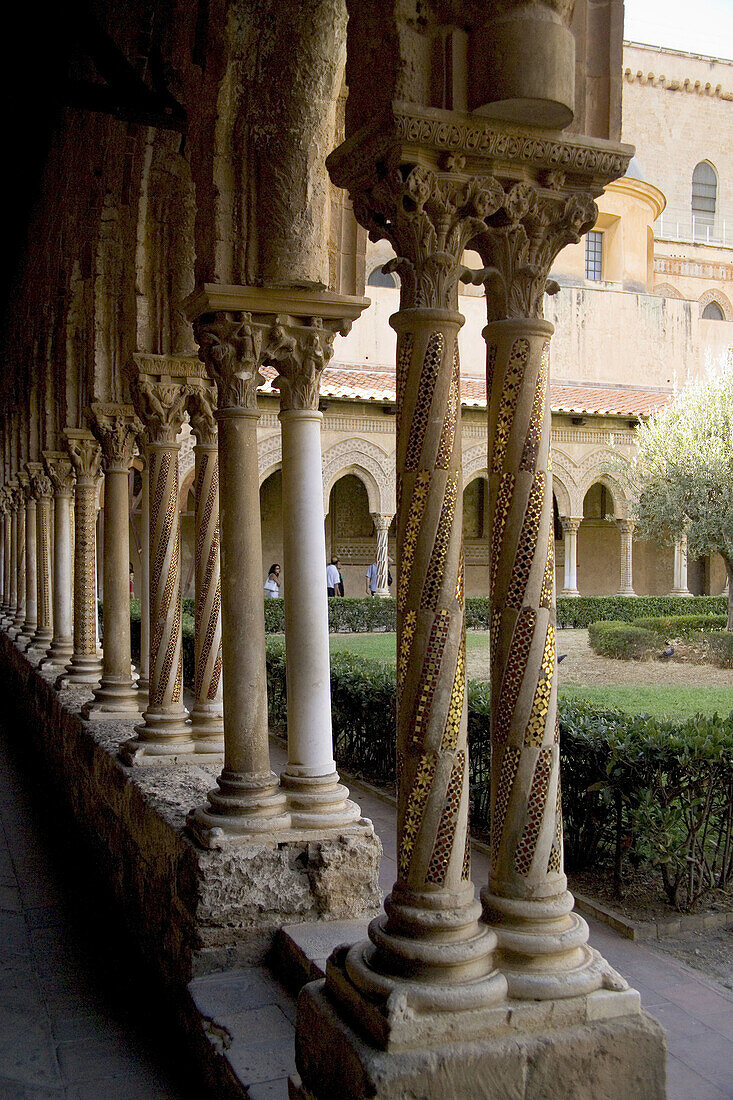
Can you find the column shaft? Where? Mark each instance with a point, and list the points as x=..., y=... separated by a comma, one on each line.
x=85, y=666
x=13, y=562
x=570, y=532
x=44, y=631
x=19, y=615
x=60, y=471
x=31, y=571
x=207, y=722
x=627, y=557
x=7, y=563
x=144, y=678
x=382, y=525
x=679, y=587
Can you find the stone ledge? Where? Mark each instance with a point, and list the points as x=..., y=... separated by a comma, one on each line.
x=193, y=911
x=681, y=924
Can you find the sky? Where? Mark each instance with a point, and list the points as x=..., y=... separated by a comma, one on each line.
x=705, y=26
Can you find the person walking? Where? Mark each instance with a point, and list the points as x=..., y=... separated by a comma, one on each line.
x=334, y=578
x=372, y=578
x=272, y=584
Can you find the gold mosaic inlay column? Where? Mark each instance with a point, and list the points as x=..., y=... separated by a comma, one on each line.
x=85, y=666
x=43, y=492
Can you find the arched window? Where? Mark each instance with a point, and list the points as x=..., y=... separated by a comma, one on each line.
x=378, y=277
x=704, y=196
x=713, y=312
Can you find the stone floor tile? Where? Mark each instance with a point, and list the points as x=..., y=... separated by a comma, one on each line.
x=676, y=1021
x=722, y=1023
x=258, y=1062
x=15, y=1090
x=93, y=1058
x=229, y=993
x=118, y=1087
x=258, y=1025
x=698, y=1000
x=684, y=1083
x=270, y=1090
x=710, y=1055
x=10, y=899
x=30, y=1060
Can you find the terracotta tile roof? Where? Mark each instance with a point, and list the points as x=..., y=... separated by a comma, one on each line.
x=378, y=384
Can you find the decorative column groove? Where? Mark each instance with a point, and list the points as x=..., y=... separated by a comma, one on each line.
x=31, y=563
x=61, y=472
x=207, y=722
x=247, y=802
x=626, y=527
x=382, y=525
x=43, y=492
x=116, y=427
x=20, y=603
x=164, y=736
x=570, y=527
x=85, y=666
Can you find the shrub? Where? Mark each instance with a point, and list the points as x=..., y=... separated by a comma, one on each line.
x=581, y=611
x=719, y=648
x=624, y=640
x=681, y=626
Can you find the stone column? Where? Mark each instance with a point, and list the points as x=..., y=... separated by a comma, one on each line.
x=207, y=722
x=14, y=503
x=31, y=571
x=428, y=951
x=8, y=554
x=19, y=615
x=85, y=666
x=43, y=492
x=382, y=524
x=116, y=427
x=164, y=736
x=143, y=682
x=570, y=527
x=299, y=348
x=680, y=568
x=247, y=802
x=61, y=473
x=5, y=548
x=626, y=527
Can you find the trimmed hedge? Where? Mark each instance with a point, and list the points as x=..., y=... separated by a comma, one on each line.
x=681, y=626
x=581, y=611
x=622, y=640
x=643, y=637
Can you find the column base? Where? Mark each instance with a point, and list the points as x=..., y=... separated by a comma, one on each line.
x=113, y=702
x=569, y=592
x=241, y=808
x=164, y=738
x=599, y=1047
x=318, y=801
x=59, y=656
x=626, y=592
x=686, y=592
x=25, y=637
x=83, y=670
x=207, y=727
x=542, y=948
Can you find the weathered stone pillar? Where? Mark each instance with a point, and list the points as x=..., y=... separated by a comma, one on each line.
x=299, y=345
x=570, y=527
x=247, y=802
x=15, y=491
x=19, y=615
x=626, y=527
x=207, y=722
x=5, y=548
x=61, y=472
x=43, y=492
x=31, y=564
x=85, y=666
x=679, y=587
x=143, y=682
x=381, y=525
x=116, y=427
x=165, y=733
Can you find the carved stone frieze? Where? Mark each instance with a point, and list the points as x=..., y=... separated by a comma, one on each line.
x=60, y=469
x=41, y=486
x=116, y=427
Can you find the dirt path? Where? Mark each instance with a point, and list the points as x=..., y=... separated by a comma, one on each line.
x=582, y=666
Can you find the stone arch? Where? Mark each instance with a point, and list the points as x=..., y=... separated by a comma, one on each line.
x=475, y=461
x=604, y=466
x=564, y=484
x=269, y=455
x=666, y=290
x=370, y=464
x=185, y=488
x=564, y=500
x=720, y=299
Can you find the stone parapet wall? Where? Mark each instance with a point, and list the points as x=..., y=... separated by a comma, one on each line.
x=192, y=911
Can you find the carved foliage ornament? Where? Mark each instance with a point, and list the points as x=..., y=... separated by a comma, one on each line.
x=116, y=427
x=86, y=456
x=61, y=473
x=42, y=488
x=162, y=407
x=299, y=349
x=201, y=413
x=229, y=344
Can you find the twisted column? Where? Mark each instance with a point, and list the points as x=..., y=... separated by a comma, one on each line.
x=19, y=615
x=246, y=801
x=626, y=527
x=381, y=525
x=31, y=583
x=570, y=532
x=14, y=504
x=4, y=552
x=116, y=426
x=165, y=732
x=299, y=348
x=207, y=721
x=43, y=492
x=61, y=473
x=143, y=682
x=85, y=666
x=8, y=555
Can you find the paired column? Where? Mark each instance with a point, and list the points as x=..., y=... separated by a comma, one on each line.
x=143, y=682
x=43, y=492
x=381, y=526
x=85, y=666
x=116, y=428
x=5, y=535
x=31, y=582
x=247, y=802
x=207, y=722
x=61, y=473
x=570, y=527
x=165, y=732
x=20, y=603
x=680, y=568
x=626, y=527
x=14, y=505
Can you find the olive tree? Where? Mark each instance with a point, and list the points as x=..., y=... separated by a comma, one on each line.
x=682, y=477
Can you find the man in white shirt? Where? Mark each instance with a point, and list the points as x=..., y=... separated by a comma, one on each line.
x=333, y=578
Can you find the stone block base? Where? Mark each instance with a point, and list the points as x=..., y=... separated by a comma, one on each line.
x=617, y=1058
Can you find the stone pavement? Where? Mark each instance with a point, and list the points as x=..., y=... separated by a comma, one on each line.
x=78, y=1019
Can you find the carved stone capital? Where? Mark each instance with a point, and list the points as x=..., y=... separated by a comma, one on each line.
x=201, y=414
x=60, y=469
x=299, y=349
x=434, y=183
x=161, y=405
x=229, y=345
x=41, y=486
x=626, y=526
x=116, y=427
x=570, y=524
x=85, y=454
x=25, y=483
x=381, y=522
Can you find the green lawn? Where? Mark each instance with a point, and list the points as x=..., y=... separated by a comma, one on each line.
x=660, y=700
x=382, y=647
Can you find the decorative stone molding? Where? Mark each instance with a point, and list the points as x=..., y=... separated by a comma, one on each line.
x=85, y=454
x=720, y=299
x=692, y=87
x=299, y=349
x=666, y=290
x=269, y=455
x=373, y=466
x=116, y=427
x=60, y=470
x=230, y=346
x=201, y=414
x=474, y=463
x=599, y=466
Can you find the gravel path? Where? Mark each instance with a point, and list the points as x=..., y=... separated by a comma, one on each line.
x=582, y=666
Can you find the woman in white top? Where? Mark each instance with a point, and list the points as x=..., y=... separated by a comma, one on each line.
x=272, y=584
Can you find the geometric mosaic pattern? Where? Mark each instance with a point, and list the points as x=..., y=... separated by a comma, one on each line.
x=554, y=862
x=548, y=581
x=412, y=530
x=509, y=765
x=527, y=542
x=535, y=731
x=436, y=569
x=535, y=812
x=514, y=670
x=429, y=676
x=455, y=707
x=532, y=442
x=442, y=848
x=416, y=802
x=501, y=512
x=448, y=433
x=508, y=405
x=424, y=400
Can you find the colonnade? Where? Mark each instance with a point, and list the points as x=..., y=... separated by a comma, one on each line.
x=570, y=526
